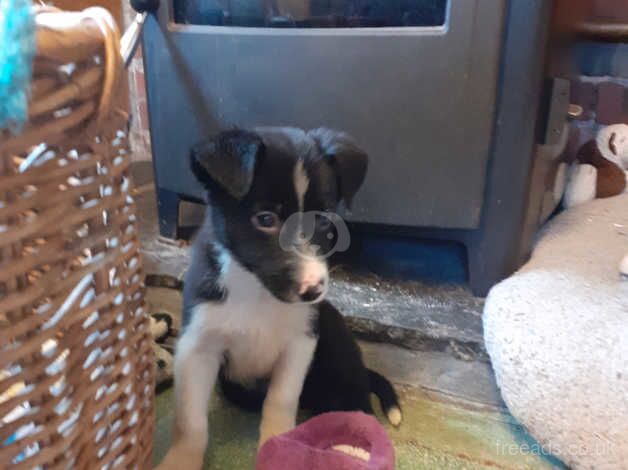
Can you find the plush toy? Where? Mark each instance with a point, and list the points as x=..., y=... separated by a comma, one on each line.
x=600, y=169
x=338, y=441
x=162, y=331
x=623, y=268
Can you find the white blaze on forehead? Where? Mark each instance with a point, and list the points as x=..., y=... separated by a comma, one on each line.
x=301, y=183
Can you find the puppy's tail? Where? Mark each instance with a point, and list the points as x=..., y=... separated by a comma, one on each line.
x=384, y=390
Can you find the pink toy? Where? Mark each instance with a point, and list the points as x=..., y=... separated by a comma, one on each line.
x=331, y=441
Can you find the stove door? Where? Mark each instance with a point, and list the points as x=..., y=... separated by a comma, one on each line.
x=414, y=81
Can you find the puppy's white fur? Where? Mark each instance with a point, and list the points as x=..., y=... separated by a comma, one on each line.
x=312, y=270
x=260, y=336
x=256, y=326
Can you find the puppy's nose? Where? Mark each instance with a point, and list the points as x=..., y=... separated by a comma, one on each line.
x=312, y=292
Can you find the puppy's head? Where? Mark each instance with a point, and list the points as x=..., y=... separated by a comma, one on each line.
x=274, y=192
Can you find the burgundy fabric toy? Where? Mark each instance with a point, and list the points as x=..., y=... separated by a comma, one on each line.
x=331, y=441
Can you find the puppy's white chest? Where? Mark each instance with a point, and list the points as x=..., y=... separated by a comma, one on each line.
x=254, y=327
x=253, y=350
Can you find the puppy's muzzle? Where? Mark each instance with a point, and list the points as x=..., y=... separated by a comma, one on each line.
x=314, y=280
x=313, y=293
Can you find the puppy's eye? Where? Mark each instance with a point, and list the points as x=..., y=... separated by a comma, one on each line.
x=322, y=223
x=266, y=221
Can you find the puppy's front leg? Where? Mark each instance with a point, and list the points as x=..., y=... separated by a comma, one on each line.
x=282, y=400
x=196, y=364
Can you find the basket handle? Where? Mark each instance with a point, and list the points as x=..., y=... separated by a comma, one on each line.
x=112, y=60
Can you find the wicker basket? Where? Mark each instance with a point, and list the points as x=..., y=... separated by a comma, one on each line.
x=76, y=365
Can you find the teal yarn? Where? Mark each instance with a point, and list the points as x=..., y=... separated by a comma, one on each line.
x=17, y=47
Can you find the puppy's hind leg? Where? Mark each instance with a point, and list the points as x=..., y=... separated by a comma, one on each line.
x=197, y=361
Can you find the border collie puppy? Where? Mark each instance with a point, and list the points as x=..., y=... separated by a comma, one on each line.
x=253, y=310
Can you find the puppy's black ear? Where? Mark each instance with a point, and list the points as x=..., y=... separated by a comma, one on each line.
x=349, y=161
x=227, y=160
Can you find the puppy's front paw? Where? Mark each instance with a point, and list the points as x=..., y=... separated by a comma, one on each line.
x=262, y=440
x=274, y=426
x=266, y=434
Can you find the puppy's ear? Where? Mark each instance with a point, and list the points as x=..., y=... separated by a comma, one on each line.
x=349, y=161
x=227, y=160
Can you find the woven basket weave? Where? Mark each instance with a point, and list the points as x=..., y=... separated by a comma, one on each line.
x=76, y=364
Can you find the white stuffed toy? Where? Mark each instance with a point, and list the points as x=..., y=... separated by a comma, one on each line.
x=623, y=268
x=161, y=329
x=601, y=170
